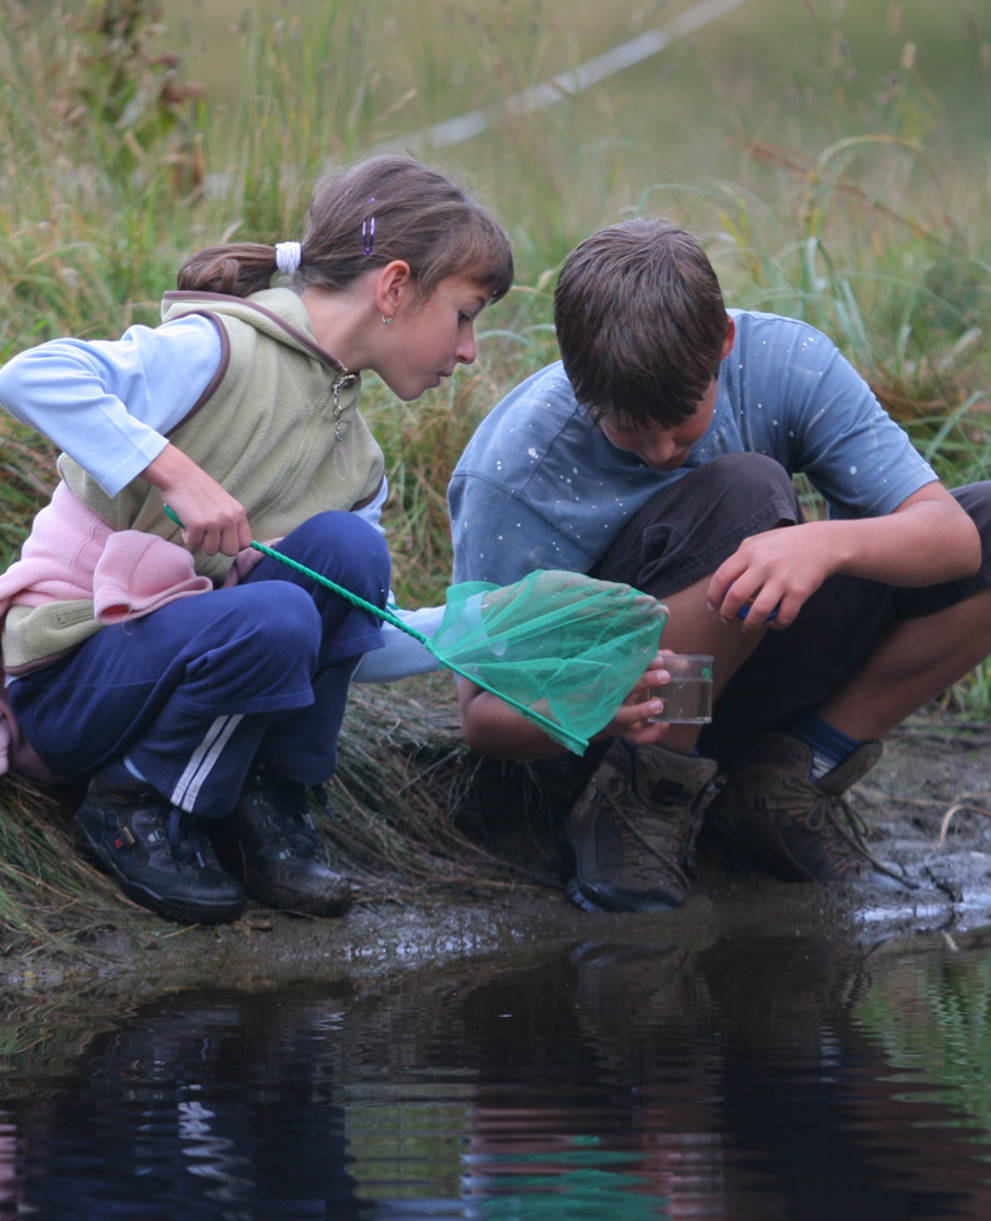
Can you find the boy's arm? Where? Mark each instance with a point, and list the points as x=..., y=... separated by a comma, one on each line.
x=928, y=539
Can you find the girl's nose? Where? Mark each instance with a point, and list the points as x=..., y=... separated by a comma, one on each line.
x=467, y=350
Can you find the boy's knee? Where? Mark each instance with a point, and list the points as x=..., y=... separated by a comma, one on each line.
x=746, y=473
x=747, y=488
x=975, y=500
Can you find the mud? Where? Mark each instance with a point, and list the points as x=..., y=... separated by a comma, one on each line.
x=928, y=803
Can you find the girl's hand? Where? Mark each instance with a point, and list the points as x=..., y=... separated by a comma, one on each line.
x=213, y=520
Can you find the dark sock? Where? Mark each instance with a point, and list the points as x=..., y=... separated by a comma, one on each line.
x=830, y=746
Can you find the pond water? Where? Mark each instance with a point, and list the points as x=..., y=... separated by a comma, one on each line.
x=759, y=1077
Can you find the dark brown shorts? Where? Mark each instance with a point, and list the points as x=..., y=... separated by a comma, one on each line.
x=685, y=533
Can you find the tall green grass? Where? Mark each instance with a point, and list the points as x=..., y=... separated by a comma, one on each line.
x=846, y=182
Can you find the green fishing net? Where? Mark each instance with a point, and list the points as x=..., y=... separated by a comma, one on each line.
x=563, y=647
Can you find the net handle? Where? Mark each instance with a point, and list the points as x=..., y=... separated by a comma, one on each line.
x=558, y=731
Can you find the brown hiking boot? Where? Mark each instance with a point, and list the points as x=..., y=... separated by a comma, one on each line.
x=796, y=828
x=633, y=829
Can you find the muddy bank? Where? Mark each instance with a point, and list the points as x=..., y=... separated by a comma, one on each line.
x=928, y=803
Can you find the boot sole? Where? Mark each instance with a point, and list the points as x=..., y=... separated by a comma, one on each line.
x=285, y=898
x=595, y=899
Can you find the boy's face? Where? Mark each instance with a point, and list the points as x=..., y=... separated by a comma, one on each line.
x=657, y=445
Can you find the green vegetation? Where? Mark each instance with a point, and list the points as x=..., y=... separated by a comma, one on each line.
x=846, y=181
x=929, y=1013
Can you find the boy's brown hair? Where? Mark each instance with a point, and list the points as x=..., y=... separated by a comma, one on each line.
x=640, y=322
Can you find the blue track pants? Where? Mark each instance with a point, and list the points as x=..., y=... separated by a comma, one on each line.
x=195, y=692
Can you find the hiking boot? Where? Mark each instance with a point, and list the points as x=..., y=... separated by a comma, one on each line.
x=633, y=829
x=796, y=828
x=155, y=853
x=271, y=844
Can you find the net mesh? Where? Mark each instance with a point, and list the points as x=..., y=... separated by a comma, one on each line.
x=561, y=647
x=561, y=644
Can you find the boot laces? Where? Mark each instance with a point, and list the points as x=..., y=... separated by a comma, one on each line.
x=286, y=812
x=665, y=836
x=830, y=817
x=185, y=841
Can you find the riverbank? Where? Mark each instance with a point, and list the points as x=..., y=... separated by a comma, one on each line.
x=927, y=803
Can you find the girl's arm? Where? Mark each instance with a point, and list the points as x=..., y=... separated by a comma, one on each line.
x=110, y=404
x=213, y=521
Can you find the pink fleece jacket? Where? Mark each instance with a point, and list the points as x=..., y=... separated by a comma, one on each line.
x=72, y=553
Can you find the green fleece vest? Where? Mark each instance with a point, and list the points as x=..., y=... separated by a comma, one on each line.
x=278, y=428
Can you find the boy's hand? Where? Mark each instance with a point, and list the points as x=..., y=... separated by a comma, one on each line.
x=633, y=719
x=495, y=729
x=780, y=569
x=928, y=539
x=213, y=520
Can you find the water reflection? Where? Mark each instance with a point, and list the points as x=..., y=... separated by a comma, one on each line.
x=768, y=1078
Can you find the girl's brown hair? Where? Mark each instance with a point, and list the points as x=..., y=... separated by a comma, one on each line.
x=388, y=207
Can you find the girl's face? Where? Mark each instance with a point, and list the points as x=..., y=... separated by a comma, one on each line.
x=427, y=340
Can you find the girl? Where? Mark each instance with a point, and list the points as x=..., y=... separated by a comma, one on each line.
x=193, y=681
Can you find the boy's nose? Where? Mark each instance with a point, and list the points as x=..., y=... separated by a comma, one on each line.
x=658, y=450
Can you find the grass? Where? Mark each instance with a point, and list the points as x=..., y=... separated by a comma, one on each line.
x=846, y=183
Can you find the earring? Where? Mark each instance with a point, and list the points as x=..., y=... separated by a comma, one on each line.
x=387, y=320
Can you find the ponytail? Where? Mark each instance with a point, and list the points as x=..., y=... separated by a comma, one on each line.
x=388, y=207
x=238, y=269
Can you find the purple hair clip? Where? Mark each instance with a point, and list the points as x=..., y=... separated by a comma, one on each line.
x=368, y=231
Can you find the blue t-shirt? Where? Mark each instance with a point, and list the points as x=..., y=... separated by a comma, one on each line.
x=539, y=486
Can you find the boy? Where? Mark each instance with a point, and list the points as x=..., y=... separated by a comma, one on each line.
x=659, y=452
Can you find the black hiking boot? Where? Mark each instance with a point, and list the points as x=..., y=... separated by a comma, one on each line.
x=270, y=843
x=155, y=853
x=633, y=830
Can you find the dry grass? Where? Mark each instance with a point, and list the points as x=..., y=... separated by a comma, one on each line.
x=410, y=813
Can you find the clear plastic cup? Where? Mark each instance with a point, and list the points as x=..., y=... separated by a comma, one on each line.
x=688, y=696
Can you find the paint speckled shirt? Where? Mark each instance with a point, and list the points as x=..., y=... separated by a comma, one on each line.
x=539, y=486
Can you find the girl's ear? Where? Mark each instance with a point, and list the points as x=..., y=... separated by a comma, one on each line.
x=394, y=286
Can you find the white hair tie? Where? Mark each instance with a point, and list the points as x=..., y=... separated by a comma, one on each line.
x=287, y=257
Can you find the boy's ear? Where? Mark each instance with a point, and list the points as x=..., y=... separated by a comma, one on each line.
x=395, y=281
x=728, y=338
